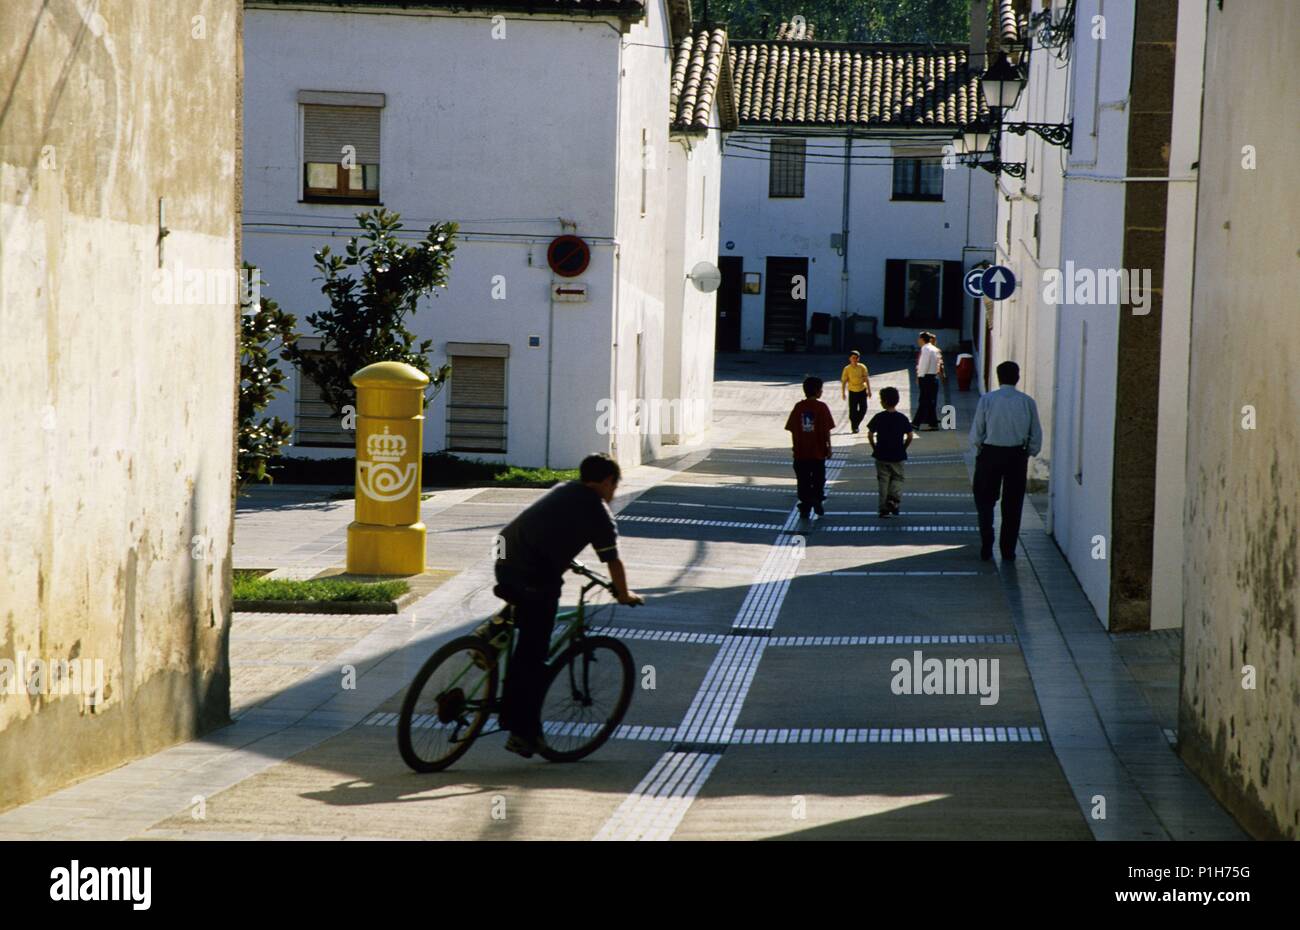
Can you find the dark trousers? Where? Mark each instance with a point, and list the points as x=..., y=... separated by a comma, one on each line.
x=811, y=474
x=857, y=408
x=1000, y=470
x=926, y=410
x=522, y=695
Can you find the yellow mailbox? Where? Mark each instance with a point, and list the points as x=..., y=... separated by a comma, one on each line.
x=387, y=537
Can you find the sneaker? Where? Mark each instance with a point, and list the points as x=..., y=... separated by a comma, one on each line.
x=490, y=630
x=520, y=746
x=819, y=510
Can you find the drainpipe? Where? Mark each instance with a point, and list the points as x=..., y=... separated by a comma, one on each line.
x=550, y=356
x=844, y=242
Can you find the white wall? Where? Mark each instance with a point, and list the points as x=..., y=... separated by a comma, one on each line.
x=471, y=132
x=1024, y=326
x=121, y=391
x=1092, y=236
x=643, y=89
x=879, y=228
x=694, y=181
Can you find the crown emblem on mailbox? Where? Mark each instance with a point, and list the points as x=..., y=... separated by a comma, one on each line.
x=386, y=448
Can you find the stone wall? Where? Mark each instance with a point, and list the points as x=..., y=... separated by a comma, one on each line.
x=1243, y=485
x=118, y=364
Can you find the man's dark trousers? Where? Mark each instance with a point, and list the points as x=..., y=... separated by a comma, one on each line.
x=857, y=408
x=522, y=695
x=811, y=476
x=926, y=412
x=1004, y=469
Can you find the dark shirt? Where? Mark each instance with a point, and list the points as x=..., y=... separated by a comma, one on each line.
x=810, y=424
x=538, y=545
x=891, y=429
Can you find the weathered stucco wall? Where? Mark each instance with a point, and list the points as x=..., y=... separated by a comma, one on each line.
x=1243, y=487
x=120, y=388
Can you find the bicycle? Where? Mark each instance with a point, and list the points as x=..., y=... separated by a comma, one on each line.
x=451, y=699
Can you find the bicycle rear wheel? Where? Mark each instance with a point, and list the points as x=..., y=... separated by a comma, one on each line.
x=447, y=704
x=588, y=690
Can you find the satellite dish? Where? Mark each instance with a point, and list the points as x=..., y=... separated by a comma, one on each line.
x=706, y=277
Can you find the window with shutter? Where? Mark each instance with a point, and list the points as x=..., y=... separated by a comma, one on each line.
x=340, y=152
x=786, y=168
x=476, y=410
x=315, y=422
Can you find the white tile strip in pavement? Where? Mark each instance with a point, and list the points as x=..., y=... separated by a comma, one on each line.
x=787, y=462
x=899, y=528
x=770, y=735
x=687, y=521
x=789, y=489
x=647, y=733
x=657, y=805
x=734, y=525
x=900, y=639
x=829, y=513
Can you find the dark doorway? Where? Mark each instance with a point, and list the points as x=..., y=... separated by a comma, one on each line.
x=727, y=338
x=785, y=315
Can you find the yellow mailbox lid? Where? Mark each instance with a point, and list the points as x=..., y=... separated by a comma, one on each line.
x=390, y=375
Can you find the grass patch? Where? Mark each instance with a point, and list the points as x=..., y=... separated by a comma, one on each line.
x=318, y=589
x=245, y=574
x=440, y=469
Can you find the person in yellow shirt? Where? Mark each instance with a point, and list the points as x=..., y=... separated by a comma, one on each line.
x=855, y=385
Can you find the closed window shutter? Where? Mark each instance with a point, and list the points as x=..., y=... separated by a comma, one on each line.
x=895, y=291
x=476, y=411
x=954, y=296
x=327, y=130
x=315, y=422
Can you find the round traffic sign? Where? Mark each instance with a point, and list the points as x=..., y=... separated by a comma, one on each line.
x=972, y=282
x=568, y=256
x=998, y=283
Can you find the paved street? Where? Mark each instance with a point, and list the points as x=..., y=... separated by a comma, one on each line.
x=765, y=706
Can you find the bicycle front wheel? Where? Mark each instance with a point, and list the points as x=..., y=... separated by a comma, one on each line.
x=447, y=704
x=588, y=690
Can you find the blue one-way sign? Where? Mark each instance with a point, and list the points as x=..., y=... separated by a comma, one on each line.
x=973, y=282
x=998, y=283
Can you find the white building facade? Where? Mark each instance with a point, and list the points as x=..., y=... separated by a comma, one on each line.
x=1100, y=336
x=521, y=127
x=842, y=175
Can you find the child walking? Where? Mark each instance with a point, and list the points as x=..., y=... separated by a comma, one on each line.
x=810, y=426
x=890, y=433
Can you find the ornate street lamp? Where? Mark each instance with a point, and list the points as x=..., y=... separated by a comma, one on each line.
x=1002, y=84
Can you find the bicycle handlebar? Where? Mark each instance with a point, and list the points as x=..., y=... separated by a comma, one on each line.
x=579, y=569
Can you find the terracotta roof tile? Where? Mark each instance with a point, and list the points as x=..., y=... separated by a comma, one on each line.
x=835, y=84
x=701, y=75
x=1008, y=24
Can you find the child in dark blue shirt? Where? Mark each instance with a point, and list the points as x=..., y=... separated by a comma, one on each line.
x=890, y=433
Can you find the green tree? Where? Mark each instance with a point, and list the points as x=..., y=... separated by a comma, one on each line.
x=927, y=21
x=372, y=289
x=265, y=330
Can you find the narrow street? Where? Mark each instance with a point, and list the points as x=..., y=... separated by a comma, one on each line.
x=764, y=707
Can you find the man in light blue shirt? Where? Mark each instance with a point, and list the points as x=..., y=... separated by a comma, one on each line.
x=1004, y=435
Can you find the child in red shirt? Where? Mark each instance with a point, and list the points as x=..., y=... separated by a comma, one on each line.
x=810, y=426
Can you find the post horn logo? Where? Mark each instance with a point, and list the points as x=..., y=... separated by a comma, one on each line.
x=383, y=478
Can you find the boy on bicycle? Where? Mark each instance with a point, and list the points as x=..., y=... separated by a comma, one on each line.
x=536, y=550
